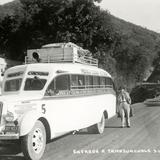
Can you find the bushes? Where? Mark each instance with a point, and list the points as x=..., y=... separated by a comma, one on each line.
x=144, y=91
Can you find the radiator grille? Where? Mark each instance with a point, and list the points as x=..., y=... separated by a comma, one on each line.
x=1, y=108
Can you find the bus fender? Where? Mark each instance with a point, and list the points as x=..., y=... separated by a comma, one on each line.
x=27, y=122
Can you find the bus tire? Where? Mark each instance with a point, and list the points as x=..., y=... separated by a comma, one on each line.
x=97, y=128
x=33, y=144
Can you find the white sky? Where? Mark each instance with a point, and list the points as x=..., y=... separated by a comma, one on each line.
x=145, y=13
x=4, y=1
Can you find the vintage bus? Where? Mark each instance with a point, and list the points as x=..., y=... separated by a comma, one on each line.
x=62, y=91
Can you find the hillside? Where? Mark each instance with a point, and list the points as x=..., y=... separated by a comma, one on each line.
x=135, y=33
x=126, y=50
x=145, y=41
x=9, y=8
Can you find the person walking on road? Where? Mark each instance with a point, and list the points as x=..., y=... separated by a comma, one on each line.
x=124, y=107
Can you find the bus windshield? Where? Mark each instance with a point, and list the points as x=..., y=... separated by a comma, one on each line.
x=34, y=84
x=13, y=85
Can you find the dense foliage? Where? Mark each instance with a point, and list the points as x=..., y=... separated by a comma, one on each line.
x=125, y=50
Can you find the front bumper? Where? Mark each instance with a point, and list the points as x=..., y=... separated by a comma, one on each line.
x=9, y=136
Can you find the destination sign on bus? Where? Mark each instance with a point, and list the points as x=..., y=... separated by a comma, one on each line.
x=35, y=73
x=90, y=72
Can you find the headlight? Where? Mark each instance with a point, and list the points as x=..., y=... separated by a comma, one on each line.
x=9, y=117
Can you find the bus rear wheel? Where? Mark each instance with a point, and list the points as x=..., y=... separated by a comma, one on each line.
x=99, y=127
x=34, y=143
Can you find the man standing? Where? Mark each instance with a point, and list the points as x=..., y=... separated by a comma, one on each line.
x=124, y=107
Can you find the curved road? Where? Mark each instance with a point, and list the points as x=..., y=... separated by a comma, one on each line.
x=140, y=142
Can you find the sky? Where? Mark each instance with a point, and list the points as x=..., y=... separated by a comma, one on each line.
x=145, y=13
x=4, y=1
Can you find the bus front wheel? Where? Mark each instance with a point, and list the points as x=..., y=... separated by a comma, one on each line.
x=99, y=127
x=34, y=143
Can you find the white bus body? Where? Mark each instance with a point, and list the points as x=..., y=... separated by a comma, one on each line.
x=50, y=99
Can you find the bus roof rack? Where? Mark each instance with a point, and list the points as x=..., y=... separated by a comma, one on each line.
x=60, y=53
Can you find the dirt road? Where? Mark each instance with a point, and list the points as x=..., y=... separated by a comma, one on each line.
x=140, y=142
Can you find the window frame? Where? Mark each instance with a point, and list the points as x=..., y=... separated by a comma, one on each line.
x=96, y=81
x=9, y=80
x=80, y=78
x=88, y=86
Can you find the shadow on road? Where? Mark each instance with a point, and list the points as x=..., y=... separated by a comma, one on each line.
x=10, y=151
x=83, y=133
x=11, y=158
x=55, y=139
x=113, y=127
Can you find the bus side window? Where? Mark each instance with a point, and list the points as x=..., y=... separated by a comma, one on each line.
x=102, y=82
x=109, y=82
x=77, y=82
x=90, y=81
x=87, y=81
x=81, y=82
x=62, y=83
x=74, y=81
x=95, y=81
